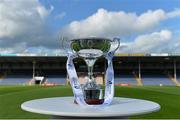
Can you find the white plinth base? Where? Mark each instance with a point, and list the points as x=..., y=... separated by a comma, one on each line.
x=65, y=107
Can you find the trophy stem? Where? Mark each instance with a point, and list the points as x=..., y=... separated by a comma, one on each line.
x=90, y=72
x=90, y=64
x=92, y=92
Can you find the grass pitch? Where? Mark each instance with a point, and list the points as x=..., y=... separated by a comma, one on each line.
x=11, y=98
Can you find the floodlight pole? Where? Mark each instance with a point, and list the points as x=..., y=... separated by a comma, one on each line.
x=139, y=68
x=34, y=68
x=175, y=70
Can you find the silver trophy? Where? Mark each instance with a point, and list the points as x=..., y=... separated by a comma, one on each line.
x=90, y=49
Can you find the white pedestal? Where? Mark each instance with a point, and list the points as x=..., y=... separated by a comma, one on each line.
x=64, y=107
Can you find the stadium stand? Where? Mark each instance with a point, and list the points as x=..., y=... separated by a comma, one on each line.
x=20, y=68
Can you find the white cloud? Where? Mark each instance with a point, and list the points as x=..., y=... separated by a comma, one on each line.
x=148, y=20
x=23, y=21
x=41, y=50
x=60, y=15
x=174, y=13
x=23, y=25
x=108, y=23
x=16, y=48
x=43, y=12
x=149, y=43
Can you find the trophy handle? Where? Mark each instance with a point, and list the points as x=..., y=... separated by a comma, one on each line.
x=116, y=40
x=66, y=45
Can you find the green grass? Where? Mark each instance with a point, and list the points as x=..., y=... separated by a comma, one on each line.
x=11, y=97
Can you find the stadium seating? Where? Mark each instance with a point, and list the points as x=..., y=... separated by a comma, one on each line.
x=119, y=79
x=125, y=79
x=156, y=80
x=57, y=80
x=14, y=80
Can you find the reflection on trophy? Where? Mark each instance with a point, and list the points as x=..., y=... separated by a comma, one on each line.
x=90, y=49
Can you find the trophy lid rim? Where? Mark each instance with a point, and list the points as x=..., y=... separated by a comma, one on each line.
x=92, y=38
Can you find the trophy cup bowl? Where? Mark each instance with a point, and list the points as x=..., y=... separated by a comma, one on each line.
x=99, y=44
x=90, y=49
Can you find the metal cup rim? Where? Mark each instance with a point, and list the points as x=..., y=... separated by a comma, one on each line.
x=91, y=38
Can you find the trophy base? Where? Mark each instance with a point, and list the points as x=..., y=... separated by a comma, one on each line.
x=92, y=101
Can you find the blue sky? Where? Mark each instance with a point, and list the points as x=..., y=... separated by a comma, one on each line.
x=144, y=26
x=80, y=9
